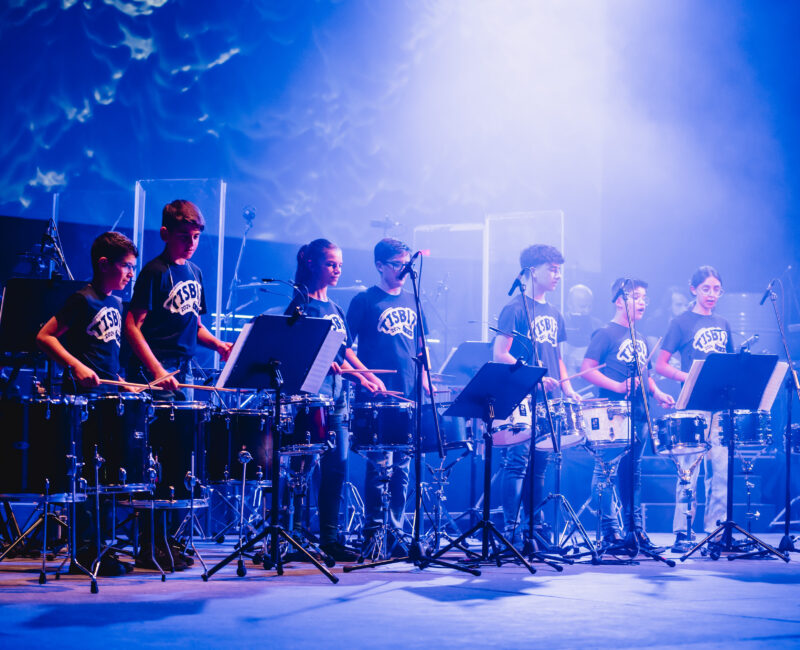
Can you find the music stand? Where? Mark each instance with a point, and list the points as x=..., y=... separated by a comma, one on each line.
x=464, y=361
x=728, y=382
x=286, y=354
x=492, y=394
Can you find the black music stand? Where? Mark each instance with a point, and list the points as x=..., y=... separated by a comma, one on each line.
x=492, y=394
x=287, y=354
x=728, y=382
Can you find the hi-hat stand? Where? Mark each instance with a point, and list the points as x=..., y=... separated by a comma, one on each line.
x=287, y=354
x=728, y=382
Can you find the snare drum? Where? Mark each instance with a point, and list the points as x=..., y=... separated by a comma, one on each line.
x=751, y=429
x=39, y=434
x=516, y=429
x=176, y=430
x=235, y=430
x=382, y=426
x=453, y=430
x=606, y=423
x=117, y=424
x=304, y=420
x=567, y=422
x=683, y=432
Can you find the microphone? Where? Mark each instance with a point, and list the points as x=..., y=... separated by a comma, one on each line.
x=408, y=266
x=767, y=293
x=249, y=214
x=745, y=346
x=517, y=285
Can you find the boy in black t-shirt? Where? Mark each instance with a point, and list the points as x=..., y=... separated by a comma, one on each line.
x=163, y=323
x=612, y=346
x=383, y=321
x=84, y=336
x=542, y=265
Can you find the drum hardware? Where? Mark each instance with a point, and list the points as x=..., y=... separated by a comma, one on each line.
x=492, y=394
x=727, y=382
x=191, y=481
x=271, y=351
x=682, y=437
x=377, y=546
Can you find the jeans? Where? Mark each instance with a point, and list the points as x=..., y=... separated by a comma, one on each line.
x=514, y=487
x=398, y=488
x=716, y=481
x=333, y=469
x=629, y=482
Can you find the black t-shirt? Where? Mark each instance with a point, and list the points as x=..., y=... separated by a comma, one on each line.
x=612, y=345
x=94, y=326
x=173, y=296
x=695, y=336
x=330, y=311
x=386, y=329
x=548, y=329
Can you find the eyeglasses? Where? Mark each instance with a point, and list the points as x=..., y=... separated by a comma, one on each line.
x=706, y=290
x=636, y=298
x=395, y=264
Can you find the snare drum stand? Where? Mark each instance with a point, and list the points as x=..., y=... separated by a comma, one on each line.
x=416, y=555
x=685, y=478
x=721, y=539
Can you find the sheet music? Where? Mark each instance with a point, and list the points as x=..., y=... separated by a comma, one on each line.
x=325, y=357
x=688, y=385
x=231, y=362
x=773, y=386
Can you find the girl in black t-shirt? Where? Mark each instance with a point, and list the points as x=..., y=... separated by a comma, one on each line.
x=694, y=335
x=319, y=266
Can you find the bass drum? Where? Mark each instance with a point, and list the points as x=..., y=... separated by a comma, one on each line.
x=177, y=430
x=117, y=425
x=42, y=436
x=235, y=430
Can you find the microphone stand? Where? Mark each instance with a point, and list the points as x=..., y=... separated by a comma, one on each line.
x=233, y=290
x=416, y=556
x=534, y=539
x=792, y=388
x=636, y=373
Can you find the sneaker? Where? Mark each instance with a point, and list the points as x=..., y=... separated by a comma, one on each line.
x=680, y=543
x=163, y=557
x=613, y=538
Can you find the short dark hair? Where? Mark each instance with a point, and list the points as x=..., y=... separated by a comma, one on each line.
x=540, y=254
x=181, y=212
x=113, y=246
x=630, y=285
x=389, y=247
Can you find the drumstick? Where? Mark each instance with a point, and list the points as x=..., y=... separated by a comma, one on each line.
x=583, y=372
x=199, y=387
x=128, y=384
x=160, y=379
x=394, y=394
x=366, y=370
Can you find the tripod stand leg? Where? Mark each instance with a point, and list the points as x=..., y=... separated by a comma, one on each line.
x=299, y=548
x=703, y=541
x=759, y=543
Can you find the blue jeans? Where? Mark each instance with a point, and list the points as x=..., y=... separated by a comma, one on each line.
x=398, y=489
x=514, y=487
x=333, y=468
x=629, y=481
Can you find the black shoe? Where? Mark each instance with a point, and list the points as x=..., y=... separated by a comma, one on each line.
x=681, y=544
x=646, y=544
x=340, y=552
x=166, y=560
x=613, y=538
x=110, y=565
x=179, y=550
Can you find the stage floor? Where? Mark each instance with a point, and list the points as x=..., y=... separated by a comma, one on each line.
x=700, y=603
